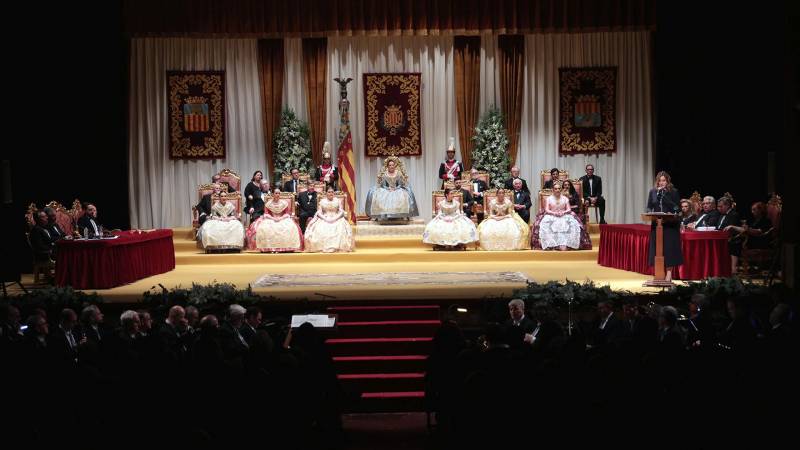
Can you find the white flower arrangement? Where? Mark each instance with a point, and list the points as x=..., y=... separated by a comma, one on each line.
x=291, y=145
x=491, y=145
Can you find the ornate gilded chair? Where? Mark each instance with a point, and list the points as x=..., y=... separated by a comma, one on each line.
x=437, y=196
x=234, y=198
x=203, y=190
x=231, y=178
x=30, y=216
x=544, y=176
x=64, y=219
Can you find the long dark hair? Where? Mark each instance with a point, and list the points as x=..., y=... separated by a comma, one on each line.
x=254, y=175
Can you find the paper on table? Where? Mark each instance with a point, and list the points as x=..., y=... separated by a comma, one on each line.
x=318, y=320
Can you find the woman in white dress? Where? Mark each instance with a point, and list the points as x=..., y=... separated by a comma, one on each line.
x=276, y=230
x=559, y=226
x=450, y=228
x=328, y=231
x=392, y=197
x=503, y=228
x=223, y=230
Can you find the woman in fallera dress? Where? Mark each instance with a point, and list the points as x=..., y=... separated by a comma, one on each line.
x=276, y=230
x=328, y=231
x=559, y=227
x=450, y=228
x=223, y=229
x=503, y=228
x=392, y=197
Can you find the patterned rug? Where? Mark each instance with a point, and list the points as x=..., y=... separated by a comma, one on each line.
x=390, y=278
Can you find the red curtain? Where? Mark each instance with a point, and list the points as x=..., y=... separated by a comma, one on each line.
x=271, y=65
x=511, y=58
x=315, y=64
x=467, y=74
x=306, y=18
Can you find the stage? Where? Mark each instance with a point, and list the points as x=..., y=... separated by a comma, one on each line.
x=384, y=257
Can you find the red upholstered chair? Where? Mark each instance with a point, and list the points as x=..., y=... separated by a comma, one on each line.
x=544, y=176
x=232, y=178
x=64, y=219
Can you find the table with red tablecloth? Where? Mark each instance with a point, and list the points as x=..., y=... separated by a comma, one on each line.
x=107, y=263
x=705, y=253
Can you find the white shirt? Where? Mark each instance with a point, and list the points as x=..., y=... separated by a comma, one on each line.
x=603, y=325
x=591, y=188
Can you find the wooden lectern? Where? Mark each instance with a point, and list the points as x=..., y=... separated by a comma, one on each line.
x=660, y=276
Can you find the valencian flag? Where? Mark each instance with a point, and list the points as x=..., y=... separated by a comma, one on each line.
x=347, y=173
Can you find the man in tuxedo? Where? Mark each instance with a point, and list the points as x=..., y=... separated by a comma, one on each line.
x=467, y=199
x=509, y=184
x=234, y=345
x=709, y=217
x=478, y=187
x=52, y=226
x=554, y=175
x=727, y=215
x=91, y=322
x=62, y=342
x=518, y=325
x=88, y=224
x=546, y=330
x=450, y=169
x=252, y=320
x=42, y=241
x=173, y=339
x=609, y=330
x=308, y=205
x=326, y=171
x=522, y=201
x=293, y=185
x=593, y=191
x=204, y=207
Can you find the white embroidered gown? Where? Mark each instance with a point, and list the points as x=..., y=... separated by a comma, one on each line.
x=450, y=227
x=222, y=230
x=555, y=231
x=328, y=231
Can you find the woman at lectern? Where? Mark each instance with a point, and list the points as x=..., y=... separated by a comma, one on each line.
x=663, y=197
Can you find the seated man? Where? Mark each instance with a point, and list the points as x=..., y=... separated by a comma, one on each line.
x=204, y=207
x=727, y=216
x=55, y=231
x=710, y=216
x=478, y=186
x=593, y=192
x=41, y=239
x=293, y=185
x=509, y=184
x=467, y=198
x=88, y=225
x=522, y=201
x=554, y=176
x=216, y=180
x=308, y=205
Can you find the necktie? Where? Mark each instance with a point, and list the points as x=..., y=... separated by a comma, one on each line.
x=94, y=225
x=70, y=339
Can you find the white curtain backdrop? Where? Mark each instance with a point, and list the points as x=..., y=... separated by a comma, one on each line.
x=294, y=83
x=162, y=191
x=490, y=74
x=433, y=58
x=627, y=174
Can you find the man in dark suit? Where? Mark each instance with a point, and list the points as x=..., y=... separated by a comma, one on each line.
x=204, y=207
x=62, y=343
x=546, y=330
x=519, y=325
x=727, y=215
x=234, y=345
x=52, y=226
x=173, y=339
x=509, y=184
x=478, y=187
x=593, y=191
x=42, y=241
x=709, y=217
x=252, y=320
x=610, y=330
x=308, y=206
x=88, y=225
x=467, y=201
x=293, y=185
x=554, y=175
x=91, y=322
x=522, y=201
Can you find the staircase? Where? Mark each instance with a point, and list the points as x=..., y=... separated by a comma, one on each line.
x=380, y=354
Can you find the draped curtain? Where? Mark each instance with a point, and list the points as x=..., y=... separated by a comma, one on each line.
x=467, y=70
x=511, y=59
x=271, y=69
x=433, y=58
x=162, y=191
x=627, y=174
x=315, y=65
x=294, y=83
x=306, y=18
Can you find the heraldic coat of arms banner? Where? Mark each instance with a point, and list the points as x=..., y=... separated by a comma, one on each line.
x=196, y=112
x=392, y=110
x=588, y=121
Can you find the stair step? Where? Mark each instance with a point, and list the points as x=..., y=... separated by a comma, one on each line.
x=384, y=382
x=379, y=346
x=373, y=313
x=406, y=401
x=380, y=364
x=388, y=328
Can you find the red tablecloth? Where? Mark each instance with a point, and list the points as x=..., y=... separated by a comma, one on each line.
x=107, y=263
x=705, y=253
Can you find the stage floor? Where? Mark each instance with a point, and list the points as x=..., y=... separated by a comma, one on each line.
x=378, y=255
